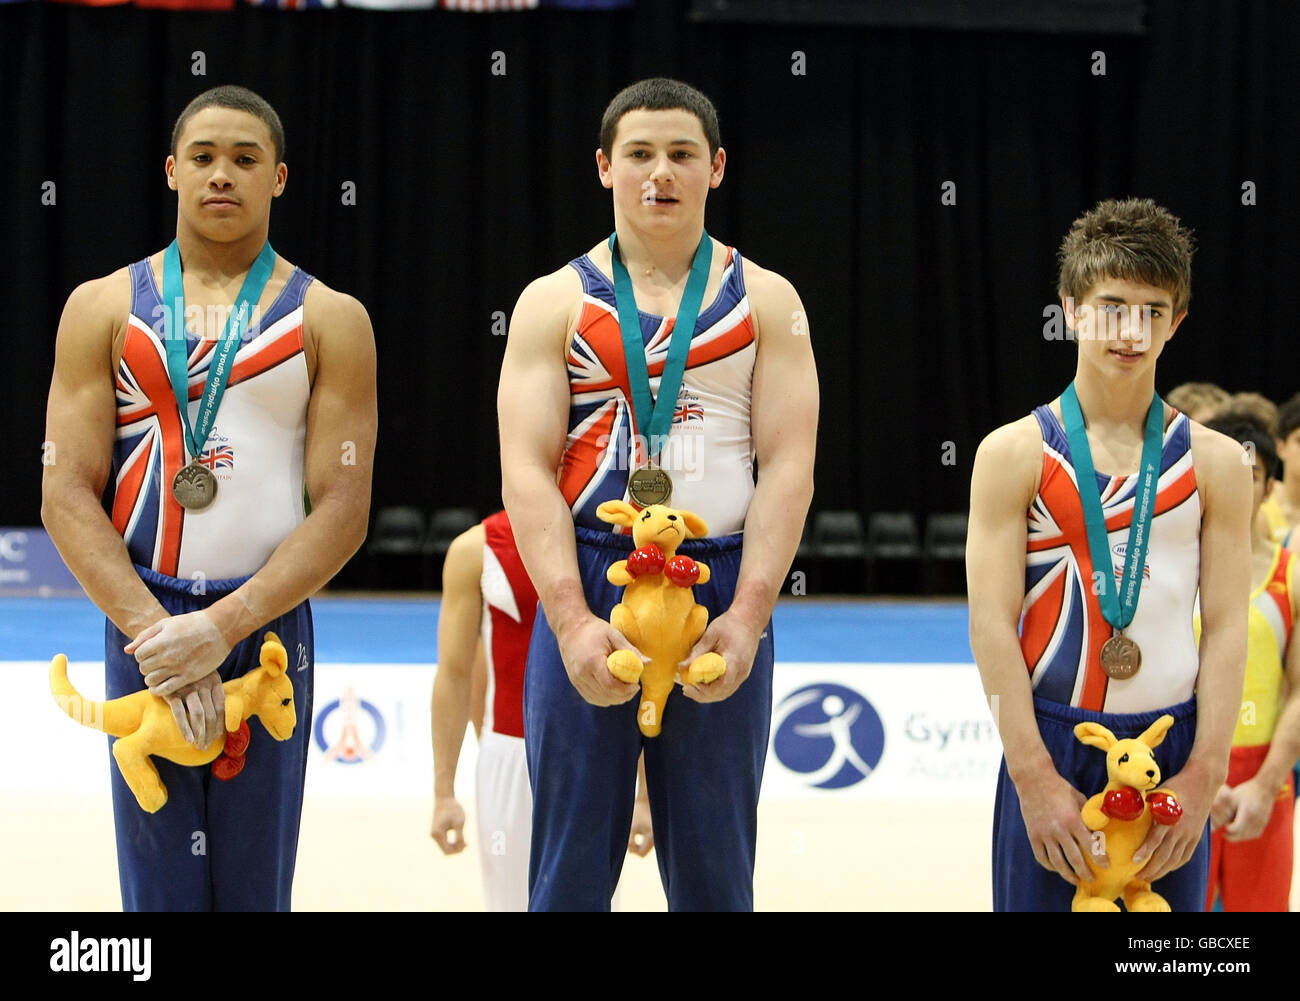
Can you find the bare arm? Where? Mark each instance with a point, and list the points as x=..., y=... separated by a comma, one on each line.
x=1003, y=484
x=79, y=434
x=1284, y=750
x=1226, y=489
x=458, y=629
x=783, y=422
x=532, y=409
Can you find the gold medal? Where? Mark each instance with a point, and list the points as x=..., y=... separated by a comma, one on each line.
x=1120, y=657
x=649, y=485
x=194, y=487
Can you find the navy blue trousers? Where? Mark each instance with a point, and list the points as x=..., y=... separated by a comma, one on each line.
x=1019, y=882
x=214, y=845
x=703, y=771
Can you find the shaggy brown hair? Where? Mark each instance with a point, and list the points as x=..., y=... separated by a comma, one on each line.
x=1135, y=240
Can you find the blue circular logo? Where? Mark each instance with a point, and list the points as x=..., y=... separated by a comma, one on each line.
x=829, y=734
x=348, y=745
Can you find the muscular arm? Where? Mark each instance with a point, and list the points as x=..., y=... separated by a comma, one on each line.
x=783, y=422
x=532, y=409
x=79, y=433
x=784, y=426
x=458, y=629
x=1003, y=483
x=340, y=450
x=1224, y=482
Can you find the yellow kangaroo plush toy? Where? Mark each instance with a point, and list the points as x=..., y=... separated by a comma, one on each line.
x=144, y=725
x=1125, y=810
x=658, y=614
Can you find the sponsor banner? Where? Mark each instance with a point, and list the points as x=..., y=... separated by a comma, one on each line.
x=880, y=731
x=884, y=732
x=30, y=565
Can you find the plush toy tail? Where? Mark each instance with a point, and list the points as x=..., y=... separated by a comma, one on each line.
x=117, y=717
x=650, y=711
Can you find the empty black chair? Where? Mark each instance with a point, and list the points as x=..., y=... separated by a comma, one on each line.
x=893, y=553
x=397, y=530
x=838, y=535
x=444, y=526
x=945, y=553
x=838, y=550
x=945, y=536
x=394, y=548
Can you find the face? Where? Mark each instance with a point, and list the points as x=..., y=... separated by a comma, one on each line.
x=1288, y=450
x=659, y=169
x=1262, y=484
x=225, y=173
x=1122, y=326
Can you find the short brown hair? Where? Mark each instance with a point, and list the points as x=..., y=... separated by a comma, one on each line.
x=1133, y=239
x=1193, y=396
x=1255, y=406
x=660, y=94
x=240, y=99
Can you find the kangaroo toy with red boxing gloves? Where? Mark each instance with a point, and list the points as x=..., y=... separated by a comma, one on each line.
x=658, y=614
x=1124, y=812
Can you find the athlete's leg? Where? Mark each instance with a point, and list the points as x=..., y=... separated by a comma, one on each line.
x=582, y=767
x=704, y=771
x=254, y=818
x=504, y=806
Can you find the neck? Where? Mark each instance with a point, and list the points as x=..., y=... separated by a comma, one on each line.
x=1289, y=488
x=214, y=262
x=666, y=258
x=1126, y=402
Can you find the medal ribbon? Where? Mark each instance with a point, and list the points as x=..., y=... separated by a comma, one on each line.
x=660, y=410
x=219, y=369
x=1118, y=606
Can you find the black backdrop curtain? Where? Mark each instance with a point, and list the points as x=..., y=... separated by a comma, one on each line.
x=926, y=318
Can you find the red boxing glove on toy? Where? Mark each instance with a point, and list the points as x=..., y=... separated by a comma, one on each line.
x=649, y=559
x=1124, y=803
x=232, y=759
x=1165, y=808
x=237, y=742
x=682, y=571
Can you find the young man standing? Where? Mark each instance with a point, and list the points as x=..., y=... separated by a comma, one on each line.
x=657, y=367
x=1097, y=517
x=1252, y=847
x=214, y=381
x=484, y=628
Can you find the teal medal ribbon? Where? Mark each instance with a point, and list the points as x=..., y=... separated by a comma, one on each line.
x=649, y=484
x=1120, y=656
x=194, y=485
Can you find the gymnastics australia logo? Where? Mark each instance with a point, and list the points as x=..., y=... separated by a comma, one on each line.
x=829, y=734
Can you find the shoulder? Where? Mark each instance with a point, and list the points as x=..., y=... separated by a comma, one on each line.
x=552, y=292
x=1017, y=443
x=464, y=560
x=547, y=311
x=1214, y=452
x=1223, y=471
x=773, y=300
x=109, y=296
x=94, y=318
x=328, y=309
x=1009, y=462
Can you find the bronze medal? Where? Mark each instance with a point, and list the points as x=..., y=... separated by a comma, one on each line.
x=194, y=487
x=649, y=485
x=1120, y=657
